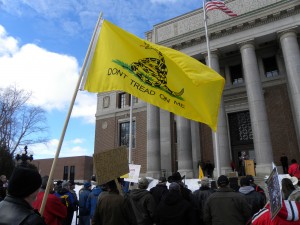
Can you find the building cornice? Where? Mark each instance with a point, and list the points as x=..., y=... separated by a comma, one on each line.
x=195, y=33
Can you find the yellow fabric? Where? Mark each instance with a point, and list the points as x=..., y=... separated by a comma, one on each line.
x=156, y=74
x=201, y=175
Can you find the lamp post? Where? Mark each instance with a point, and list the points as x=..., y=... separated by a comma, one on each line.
x=24, y=156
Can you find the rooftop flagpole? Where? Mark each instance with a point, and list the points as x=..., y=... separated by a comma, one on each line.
x=215, y=137
x=69, y=115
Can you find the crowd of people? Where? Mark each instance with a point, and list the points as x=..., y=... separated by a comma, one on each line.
x=230, y=202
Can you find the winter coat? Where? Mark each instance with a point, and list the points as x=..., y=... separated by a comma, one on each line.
x=55, y=211
x=16, y=211
x=295, y=196
x=199, y=199
x=254, y=199
x=288, y=215
x=83, y=196
x=226, y=207
x=113, y=209
x=68, y=199
x=91, y=202
x=143, y=205
x=293, y=168
x=175, y=210
x=159, y=192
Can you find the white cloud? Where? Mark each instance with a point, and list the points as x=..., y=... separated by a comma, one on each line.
x=51, y=77
x=69, y=148
x=8, y=45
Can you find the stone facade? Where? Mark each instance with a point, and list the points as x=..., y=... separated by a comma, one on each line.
x=259, y=56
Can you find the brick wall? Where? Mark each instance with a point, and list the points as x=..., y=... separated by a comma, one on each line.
x=283, y=134
x=83, y=167
x=108, y=138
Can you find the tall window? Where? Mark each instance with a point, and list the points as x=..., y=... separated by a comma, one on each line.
x=236, y=74
x=270, y=66
x=122, y=100
x=72, y=173
x=124, y=134
x=240, y=128
x=66, y=173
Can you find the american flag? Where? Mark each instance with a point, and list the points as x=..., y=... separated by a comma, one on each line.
x=219, y=5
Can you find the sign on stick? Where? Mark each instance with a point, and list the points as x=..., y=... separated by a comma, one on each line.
x=110, y=164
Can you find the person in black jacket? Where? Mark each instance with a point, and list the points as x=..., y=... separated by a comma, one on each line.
x=143, y=203
x=160, y=190
x=225, y=206
x=24, y=185
x=200, y=196
x=174, y=209
x=254, y=199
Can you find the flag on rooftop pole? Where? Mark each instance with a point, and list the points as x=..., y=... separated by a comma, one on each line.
x=156, y=74
x=218, y=5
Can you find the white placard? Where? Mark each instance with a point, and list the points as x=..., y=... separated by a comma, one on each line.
x=134, y=173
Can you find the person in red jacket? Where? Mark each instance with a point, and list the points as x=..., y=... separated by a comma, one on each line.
x=288, y=215
x=55, y=211
x=294, y=167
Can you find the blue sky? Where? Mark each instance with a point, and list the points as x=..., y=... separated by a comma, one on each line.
x=42, y=47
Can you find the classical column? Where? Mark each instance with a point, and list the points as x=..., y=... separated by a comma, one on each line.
x=257, y=107
x=291, y=54
x=196, y=148
x=184, y=147
x=165, y=142
x=153, y=141
x=220, y=140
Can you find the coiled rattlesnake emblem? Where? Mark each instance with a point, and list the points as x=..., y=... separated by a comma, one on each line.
x=153, y=71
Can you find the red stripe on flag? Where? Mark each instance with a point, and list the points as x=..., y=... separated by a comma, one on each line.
x=218, y=5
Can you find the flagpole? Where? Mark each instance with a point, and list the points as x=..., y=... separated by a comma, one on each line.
x=130, y=131
x=215, y=137
x=68, y=118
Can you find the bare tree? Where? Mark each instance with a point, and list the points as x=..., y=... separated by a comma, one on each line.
x=20, y=123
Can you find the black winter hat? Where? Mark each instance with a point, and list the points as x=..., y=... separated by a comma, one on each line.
x=223, y=181
x=23, y=182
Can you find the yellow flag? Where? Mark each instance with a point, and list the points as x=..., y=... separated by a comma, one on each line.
x=156, y=74
x=201, y=175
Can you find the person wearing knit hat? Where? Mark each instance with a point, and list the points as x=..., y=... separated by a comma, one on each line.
x=22, y=189
x=143, y=203
x=226, y=206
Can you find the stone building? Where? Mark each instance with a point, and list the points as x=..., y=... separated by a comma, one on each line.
x=258, y=54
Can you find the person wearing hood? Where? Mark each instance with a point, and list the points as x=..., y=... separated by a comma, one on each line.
x=287, y=215
x=143, y=203
x=92, y=199
x=160, y=190
x=84, y=213
x=174, y=209
x=254, y=199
